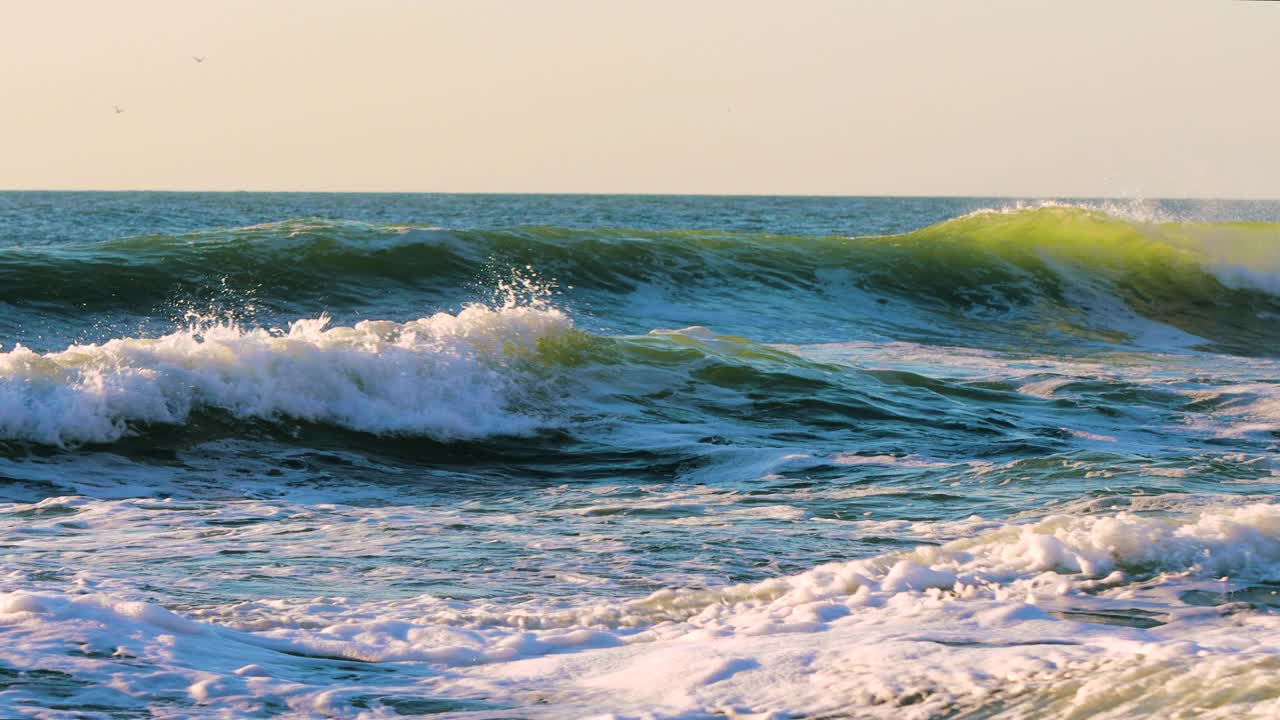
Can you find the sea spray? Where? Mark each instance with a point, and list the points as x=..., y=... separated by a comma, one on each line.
x=445, y=376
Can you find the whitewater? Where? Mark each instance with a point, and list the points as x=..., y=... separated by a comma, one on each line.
x=381, y=456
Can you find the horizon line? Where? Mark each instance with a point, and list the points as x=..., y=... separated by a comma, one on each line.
x=561, y=193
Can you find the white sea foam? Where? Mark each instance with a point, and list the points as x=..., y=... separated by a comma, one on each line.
x=1135, y=210
x=1239, y=410
x=444, y=376
x=910, y=461
x=1020, y=616
x=1242, y=277
x=1232, y=402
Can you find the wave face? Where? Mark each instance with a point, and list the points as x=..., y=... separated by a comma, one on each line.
x=521, y=456
x=1060, y=271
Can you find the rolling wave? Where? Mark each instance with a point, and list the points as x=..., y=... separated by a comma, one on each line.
x=446, y=377
x=488, y=371
x=1065, y=267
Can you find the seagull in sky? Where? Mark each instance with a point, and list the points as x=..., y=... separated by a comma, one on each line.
x=198, y=58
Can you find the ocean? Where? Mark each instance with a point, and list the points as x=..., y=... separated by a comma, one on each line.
x=519, y=456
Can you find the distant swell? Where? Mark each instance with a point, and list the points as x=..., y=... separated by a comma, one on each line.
x=1063, y=268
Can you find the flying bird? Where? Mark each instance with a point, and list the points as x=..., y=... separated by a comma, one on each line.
x=118, y=109
x=197, y=58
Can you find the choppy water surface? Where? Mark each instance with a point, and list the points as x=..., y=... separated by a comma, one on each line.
x=520, y=456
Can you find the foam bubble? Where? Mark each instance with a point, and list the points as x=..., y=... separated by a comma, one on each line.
x=445, y=376
x=1067, y=616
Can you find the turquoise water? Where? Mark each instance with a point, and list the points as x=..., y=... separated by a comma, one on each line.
x=496, y=456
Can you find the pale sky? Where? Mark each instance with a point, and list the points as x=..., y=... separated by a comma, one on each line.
x=903, y=97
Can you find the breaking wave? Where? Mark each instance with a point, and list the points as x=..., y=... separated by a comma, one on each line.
x=1058, y=267
x=468, y=375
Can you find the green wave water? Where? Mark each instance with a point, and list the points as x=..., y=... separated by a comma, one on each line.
x=527, y=456
x=1062, y=270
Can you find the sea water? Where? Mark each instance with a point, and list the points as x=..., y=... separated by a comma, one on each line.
x=378, y=456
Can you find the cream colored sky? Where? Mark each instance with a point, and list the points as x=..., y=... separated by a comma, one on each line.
x=1160, y=98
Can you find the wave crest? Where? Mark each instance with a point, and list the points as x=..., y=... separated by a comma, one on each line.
x=446, y=377
x=1063, y=269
